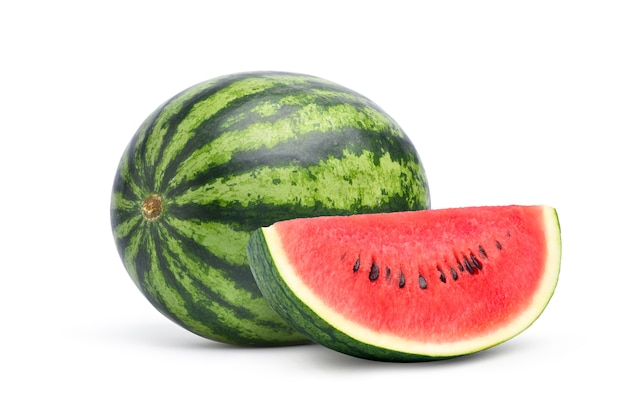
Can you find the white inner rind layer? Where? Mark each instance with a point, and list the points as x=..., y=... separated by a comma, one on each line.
x=400, y=344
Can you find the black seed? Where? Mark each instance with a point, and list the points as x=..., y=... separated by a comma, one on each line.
x=468, y=265
x=476, y=262
x=455, y=276
x=402, y=282
x=374, y=272
x=442, y=276
x=423, y=283
x=357, y=264
x=387, y=273
x=482, y=251
x=460, y=265
x=498, y=245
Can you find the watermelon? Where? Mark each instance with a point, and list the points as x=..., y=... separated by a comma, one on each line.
x=411, y=286
x=235, y=153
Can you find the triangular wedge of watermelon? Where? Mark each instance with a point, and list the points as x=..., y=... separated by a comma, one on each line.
x=411, y=286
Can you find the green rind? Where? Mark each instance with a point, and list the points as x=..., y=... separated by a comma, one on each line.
x=237, y=153
x=302, y=318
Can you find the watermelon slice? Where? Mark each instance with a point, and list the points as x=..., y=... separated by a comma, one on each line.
x=411, y=286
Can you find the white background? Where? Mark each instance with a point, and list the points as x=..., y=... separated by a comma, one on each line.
x=506, y=102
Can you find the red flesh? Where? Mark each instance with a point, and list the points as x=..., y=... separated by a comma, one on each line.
x=423, y=243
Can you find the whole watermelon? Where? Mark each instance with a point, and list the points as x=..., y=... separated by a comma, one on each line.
x=235, y=153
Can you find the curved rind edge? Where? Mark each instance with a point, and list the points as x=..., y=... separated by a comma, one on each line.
x=292, y=309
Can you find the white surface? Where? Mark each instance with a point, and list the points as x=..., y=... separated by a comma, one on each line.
x=505, y=103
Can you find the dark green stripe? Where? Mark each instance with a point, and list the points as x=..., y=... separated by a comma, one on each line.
x=129, y=181
x=247, y=218
x=124, y=228
x=304, y=150
x=352, y=183
x=137, y=164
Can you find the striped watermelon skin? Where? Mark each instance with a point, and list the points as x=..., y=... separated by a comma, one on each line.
x=235, y=153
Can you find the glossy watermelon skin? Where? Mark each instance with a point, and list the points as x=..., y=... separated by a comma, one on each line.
x=239, y=152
